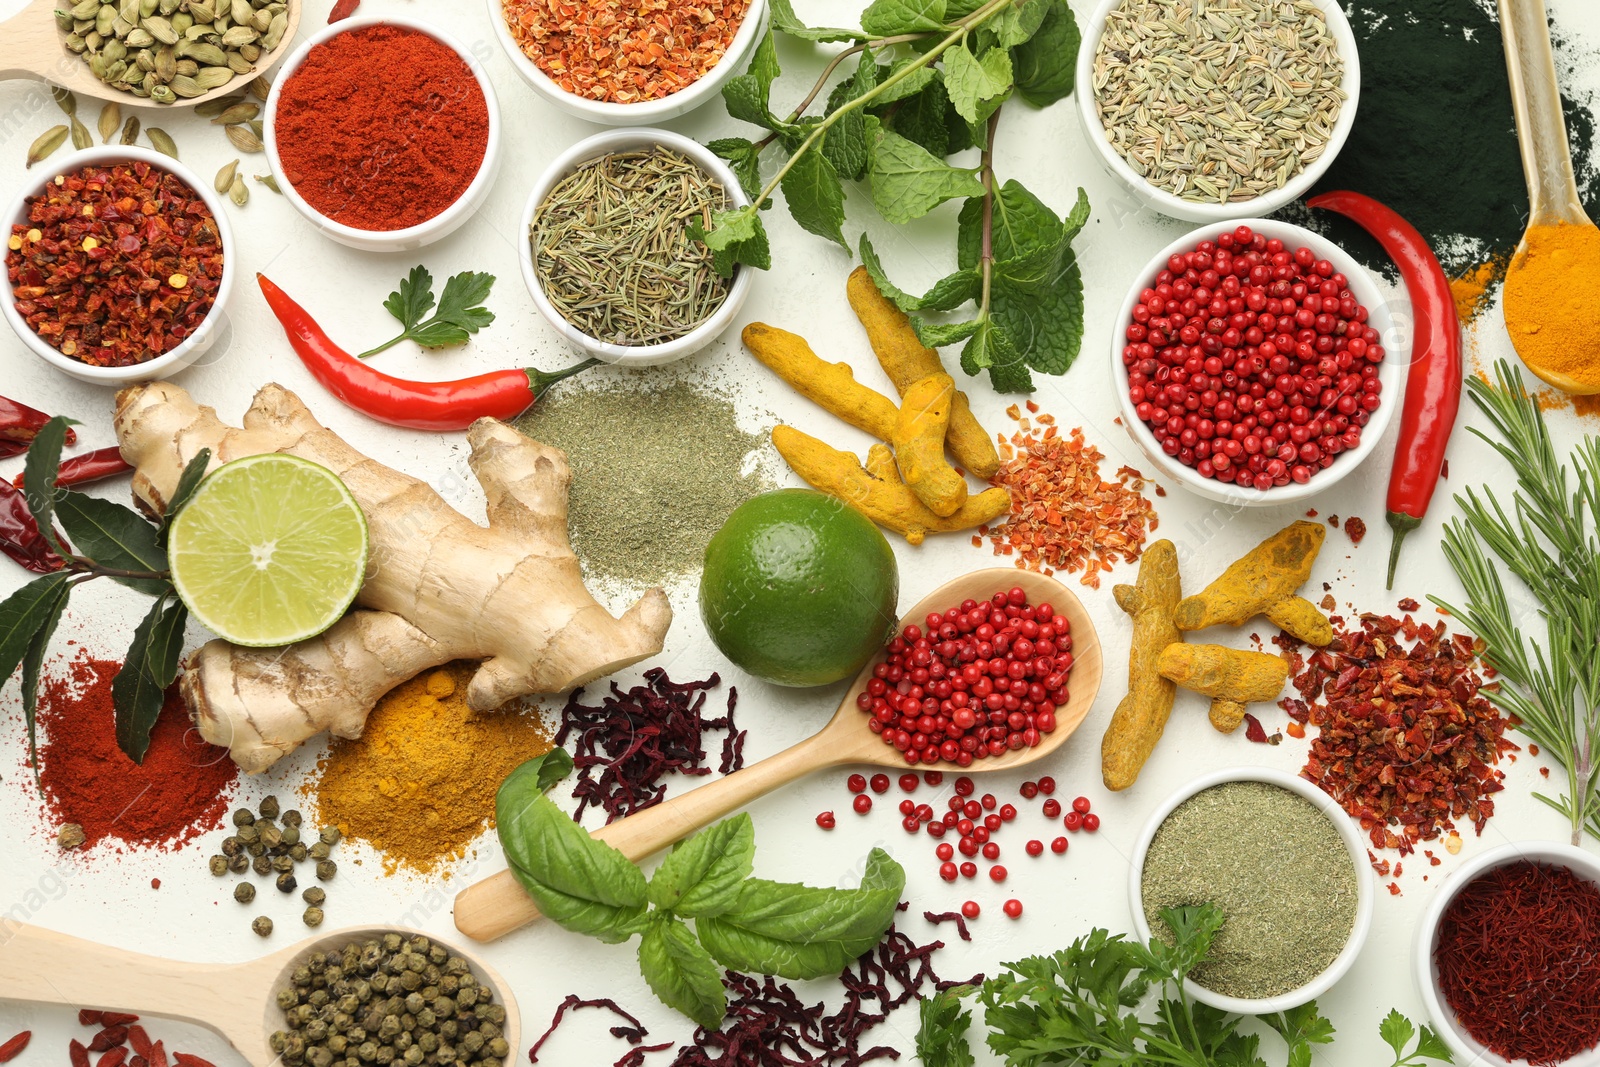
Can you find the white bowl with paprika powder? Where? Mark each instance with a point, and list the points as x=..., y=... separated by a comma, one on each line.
x=583, y=85
x=173, y=284
x=383, y=132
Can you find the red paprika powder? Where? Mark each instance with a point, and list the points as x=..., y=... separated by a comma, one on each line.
x=381, y=128
x=181, y=790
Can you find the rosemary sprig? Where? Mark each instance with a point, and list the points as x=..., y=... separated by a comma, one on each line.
x=1550, y=542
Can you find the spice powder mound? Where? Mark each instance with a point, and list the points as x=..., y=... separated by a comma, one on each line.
x=419, y=784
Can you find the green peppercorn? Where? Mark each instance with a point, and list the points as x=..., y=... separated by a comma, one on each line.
x=231, y=846
x=297, y=852
x=472, y=1042
x=326, y=870
x=248, y=834
x=286, y=883
x=291, y=817
x=291, y=835
x=219, y=865
x=319, y=851
x=244, y=892
x=262, y=925
x=256, y=849
x=314, y=895
x=498, y=1048
x=261, y=865
x=413, y=1056
x=243, y=817
x=269, y=807
x=282, y=864
x=269, y=834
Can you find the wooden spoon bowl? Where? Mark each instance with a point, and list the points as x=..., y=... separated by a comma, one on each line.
x=497, y=905
x=32, y=45
x=237, y=1001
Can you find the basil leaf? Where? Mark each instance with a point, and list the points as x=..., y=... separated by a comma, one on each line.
x=681, y=972
x=578, y=882
x=786, y=22
x=908, y=182
x=799, y=932
x=977, y=86
x=744, y=158
x=549, y=768
x=39, y=476
x=115, y=537
x=703, y=874
x=1044, y=65
x=942, y=1035
x=413, y=299
x=737, y=237
x=889, y=18
x=139, y=689
x=33, y=663
x=194, y=472
x=815, y=197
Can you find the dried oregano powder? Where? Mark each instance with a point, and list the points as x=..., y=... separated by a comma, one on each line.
x=1278, y=870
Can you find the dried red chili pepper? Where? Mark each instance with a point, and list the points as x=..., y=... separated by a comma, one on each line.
x=19, y=533
x=90, y=467
x=13, y=1048
x=19, y=425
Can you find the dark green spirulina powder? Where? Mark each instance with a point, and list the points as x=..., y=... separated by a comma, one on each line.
x=655, y=472
x=1276, y=867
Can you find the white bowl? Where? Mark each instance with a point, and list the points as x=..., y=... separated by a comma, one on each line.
x=423, y=233
x=645, y=112
x=1397, y=354
x=1095, y=133
x=1467, y=1049
x=193, y=346
x=620, y=141
x=1358, y=859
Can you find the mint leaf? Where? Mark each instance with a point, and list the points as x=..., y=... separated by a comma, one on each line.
x=1022, y=225
x=1431, y=1046
x=786, y=22
x=942, y=1033
x=909, y=84
x=578, y=882
x=1044, y=319
x=703, y=874
x=194, y=472
x=681, y=972
x=845, y=143
x=413, y=299
x=1396, y=1030
x=39, y=478
x=993, y=348
x=737, y=237
x=1019, y=22
x=744, y=159
x=908, y=182
x=947, y=293
x=115, y=537
x=976, y=86
x=939, y=334
x=921, y=119
x=139, y=689
x=1045, y=64
x=747, y=95
x=889, y=18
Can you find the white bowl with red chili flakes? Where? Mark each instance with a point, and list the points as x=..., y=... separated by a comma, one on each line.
x=1211, y=436
x=130, y=251
x=556, y=49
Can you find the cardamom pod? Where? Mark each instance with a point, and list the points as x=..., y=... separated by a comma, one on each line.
x=163, y=94
x=93, y=39
x=270, y=182
x=159, y=28
x=207, y=55
x=210, y=109
x=240, y=11
x=237, y=36
x=242, y=112
x=211, y=78
x=64, y=99
x=200, y=32
x=225, y=177
x=139, y=91
x=116, y=72
x=260, y=88
x=243, y=139
x=187, y=67
x=139, y=37
x=183, y=23
x=86, y=9
x=239, y=192
x=130, y=130
x=113, y=51
x=65, y=21
x=149, y=81
x=251, y=52
x=147, y=8
x=121, y=27
x=166, y=63
x=258, y=21
x=76, y=44
x=129, y=10
x=159, y=138
x=275, y=30
x=238, y=64
x=186, y=87
x=46, y=143
x=81, y=138
x=258, y=128
x=167, y=7
x=110, y=121
x=98, y=65
x=202, y=12
x=105, y=21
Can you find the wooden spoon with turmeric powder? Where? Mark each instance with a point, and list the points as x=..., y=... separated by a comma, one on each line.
x=497, y=905
x=1552, y=312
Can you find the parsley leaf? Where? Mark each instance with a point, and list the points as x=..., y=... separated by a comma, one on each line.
x=460, y=313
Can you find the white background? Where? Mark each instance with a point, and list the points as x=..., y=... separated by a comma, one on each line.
x=107, y=897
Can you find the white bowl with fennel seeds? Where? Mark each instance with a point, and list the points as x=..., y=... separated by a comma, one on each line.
x=1194, y=105
x=597, y=288
x=1243, y=829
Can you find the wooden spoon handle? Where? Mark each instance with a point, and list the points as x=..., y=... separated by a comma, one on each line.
x=1541, y=127
x=43, y=967
x=497, y=905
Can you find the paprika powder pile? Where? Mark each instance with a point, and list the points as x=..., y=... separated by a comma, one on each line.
x=381, y=128
x=181, y=790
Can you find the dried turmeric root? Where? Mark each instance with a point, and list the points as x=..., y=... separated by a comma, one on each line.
x=919, y=445
x=1231, y=677
x=831, y=386
x=1263, y=582
x=876, y=490
x=1137, y=723
x=907, y=362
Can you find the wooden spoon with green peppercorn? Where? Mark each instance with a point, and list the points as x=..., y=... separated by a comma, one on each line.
x=238, y=1001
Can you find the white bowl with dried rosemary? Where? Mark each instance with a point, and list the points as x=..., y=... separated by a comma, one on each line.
x=1211, y=110
x=606, y=252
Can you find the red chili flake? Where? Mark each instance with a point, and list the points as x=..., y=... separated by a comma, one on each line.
x=1533, y=750
x=13, y=1048
x=937, y=917
x=1295, y=730
x=1253, y=730
x=1408, y=604
x=1311, y=513
x=1407, y=743
x=1394, y=889
x=155, y=883
x=1160, y=491
x=1355, y=529
x=1333, y=520
x=115, y=266
x=1544, y=772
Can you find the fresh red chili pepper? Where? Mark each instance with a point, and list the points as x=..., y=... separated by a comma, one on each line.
x=19, y=533
x=19, y=424
x=501, y=394
x=90, y=467
x=1433, y=386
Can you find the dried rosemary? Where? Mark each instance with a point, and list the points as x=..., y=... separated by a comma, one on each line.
x=612, y=251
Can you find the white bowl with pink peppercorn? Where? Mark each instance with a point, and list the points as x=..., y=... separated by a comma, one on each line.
x=1345, y=388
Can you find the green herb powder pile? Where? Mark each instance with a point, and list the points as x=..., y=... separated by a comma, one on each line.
x=655, y=472
x=1276, y=867
x=1434, y=136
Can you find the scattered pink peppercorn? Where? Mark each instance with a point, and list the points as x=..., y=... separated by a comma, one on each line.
x=908, y=782
x=880, y=783
x=862, y=803
x=933, y=777
x=991, y=851
x=969, y=869
x=1007, y=812
x=1072, y=821
x=856, y=783
x=1059, y=845
x=970, y=909
x=1029, y=790
x=1091, y=822
x=1013, y=908
x=825, y=820
x=997, y=873
x=1047, y=785
x=989, y=802
x=947, y=871
x=1052, y=808
x=945, y=851
x=1034, y=847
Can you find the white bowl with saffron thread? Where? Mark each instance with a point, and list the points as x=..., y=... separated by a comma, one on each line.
x=1354, y=846
x=1175, y=206
x=624, y=140
x=423, y=233
x=191, y=348
x=643, y=112
x=1467, y=1048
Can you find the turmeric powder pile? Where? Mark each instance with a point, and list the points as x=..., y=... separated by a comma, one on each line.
x=1552, y=301
x=419, y=784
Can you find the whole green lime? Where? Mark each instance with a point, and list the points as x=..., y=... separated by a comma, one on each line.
x=798, y=588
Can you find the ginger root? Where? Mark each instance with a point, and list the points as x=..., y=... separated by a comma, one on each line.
x=907, y=361
x=876, y=489
x=830, y=386
x=919, y=445
x=1231, y=677
x=1142, y=715
x=1263, y=582
x=440, y=588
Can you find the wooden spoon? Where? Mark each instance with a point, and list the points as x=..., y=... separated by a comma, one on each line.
x=40, y=966
x=497, y=905
x=1546, y=159
x=33, y=46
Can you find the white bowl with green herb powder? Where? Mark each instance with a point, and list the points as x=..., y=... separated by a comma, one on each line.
x=1285, y=866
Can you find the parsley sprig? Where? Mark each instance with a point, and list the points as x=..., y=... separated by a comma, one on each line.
x=461, y=312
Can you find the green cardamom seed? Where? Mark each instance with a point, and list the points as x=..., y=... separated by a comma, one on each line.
x=86, y=9
x=239, y=193
x=94, y=39
x=130, y=130
x=65, y=21
x=240, y=11
x=259, y=21
x=225, y=177
x=166, y=63
x=274, y=32
x=202, y=12
x=270, y=182
x=129, y=10
x=187, y=67
x=258, y=128
x=150, y=81
x=64, y=100
x=167, y=7
x=105, y=21
x=121, y=27
x=110, y=121
x=145, y=60
x=159, y=138
x=114, y=50
x=199, y=32
x=75, y=44
x=81, y=138
x=98, y=66
x=242, y=112
x=148, y=8
x=46, y=143
x=182, y=23
x=243, y=139
x=159, y=28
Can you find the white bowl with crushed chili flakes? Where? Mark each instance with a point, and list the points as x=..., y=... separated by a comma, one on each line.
x=174, y=258
x=549, y=45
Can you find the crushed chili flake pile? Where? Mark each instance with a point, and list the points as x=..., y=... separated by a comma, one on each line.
x=1064, y=516
x=1407, y=741
x=115, y=265
x=624, y=53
